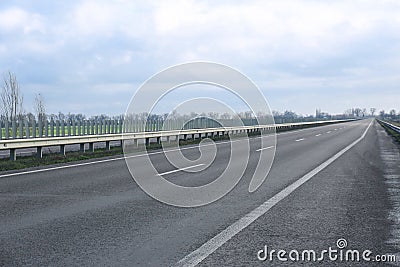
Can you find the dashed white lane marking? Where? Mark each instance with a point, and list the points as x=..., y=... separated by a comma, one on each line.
x=181, y=169
x=335, y=129
x=217, y=241
x=328, y=132
x=299, y=140
x=318, y=134
x=269, y=147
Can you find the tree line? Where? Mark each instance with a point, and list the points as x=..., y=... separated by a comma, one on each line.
x=12, y=108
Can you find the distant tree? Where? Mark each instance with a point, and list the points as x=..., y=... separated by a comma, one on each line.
x=364, y=112
x=213, y=115
x=225, y=116
x=12, y=99
x=80, y=117
x=349, y=112
x=289, y=114
x=40, y=108
x=276, y=113
x=358, y=112
x=30, y=116
x=392, y=113
x=372, y=110
x=61, y=116
x=382, y=114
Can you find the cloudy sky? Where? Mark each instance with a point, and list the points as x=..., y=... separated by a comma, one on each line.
x=90, y=56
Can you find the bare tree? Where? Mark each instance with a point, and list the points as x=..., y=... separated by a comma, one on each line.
x=392, y=113
x=364, y=112
x=358, y=112
x=372, y=110
x=11, y=98
x=39, y=107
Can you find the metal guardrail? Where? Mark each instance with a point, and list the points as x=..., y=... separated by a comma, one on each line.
x=391, y=126
x=13, y=144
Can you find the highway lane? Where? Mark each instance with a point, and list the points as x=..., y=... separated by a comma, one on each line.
x=95, y=213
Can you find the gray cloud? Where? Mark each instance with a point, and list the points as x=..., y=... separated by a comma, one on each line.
x=302, y=54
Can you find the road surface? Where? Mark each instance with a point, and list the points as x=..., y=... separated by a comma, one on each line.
x=95, y=214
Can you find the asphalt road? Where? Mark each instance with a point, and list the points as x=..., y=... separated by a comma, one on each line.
x=95, y=214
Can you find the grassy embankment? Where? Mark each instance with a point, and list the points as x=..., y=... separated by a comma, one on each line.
x=391, y=132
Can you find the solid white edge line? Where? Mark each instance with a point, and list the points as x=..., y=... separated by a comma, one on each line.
x=181, y=169
x=138, y=155
x=268, y=147
x=217, y=241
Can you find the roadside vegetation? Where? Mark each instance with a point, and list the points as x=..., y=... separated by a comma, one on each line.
x=391, y=132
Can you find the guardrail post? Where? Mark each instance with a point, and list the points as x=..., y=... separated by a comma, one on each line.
x=14, y=129
x=91, y=147
x=21, y=128
x=147, y=141
x=69, y=128
x=28, y=132
x=82, y=147
x=168, y=139
x=40, y=123
x=127, y=125
x=91, y=127
x=73, y=128
x=112, y=127
x=39, y=152
x=62, y=128
x=52, y=127
x=159, y=140
x=79, y=128
x=62, y=150
x=83, y=127
x=13, y=154
x=33, y=122
x=7, y=129
x=57, y=128
x=108, y=146
x=96, y=127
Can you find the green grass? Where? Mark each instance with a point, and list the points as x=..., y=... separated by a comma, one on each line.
x=48, y=159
